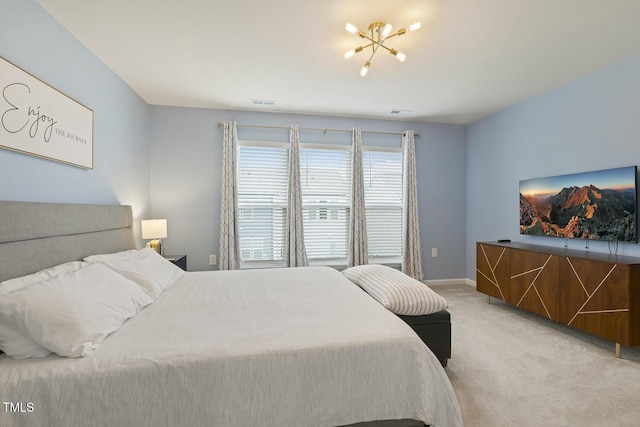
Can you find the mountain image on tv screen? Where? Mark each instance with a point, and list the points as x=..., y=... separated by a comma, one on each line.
x=599, y=205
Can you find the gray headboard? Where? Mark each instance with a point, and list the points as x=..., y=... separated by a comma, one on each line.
x=34, y=236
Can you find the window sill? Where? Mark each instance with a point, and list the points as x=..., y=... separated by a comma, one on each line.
x=337, y=263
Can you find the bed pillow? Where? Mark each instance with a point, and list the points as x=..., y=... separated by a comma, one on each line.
x=16, y=345
x=147, y=268
x=72, y=313
x=12, y=342
x=48, y=273
x=92, y=259
x=395, y=290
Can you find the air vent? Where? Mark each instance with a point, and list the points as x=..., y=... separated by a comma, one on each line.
x=263, y=101
x=399, y=111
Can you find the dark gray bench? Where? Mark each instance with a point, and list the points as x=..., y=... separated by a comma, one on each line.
x=435, y=331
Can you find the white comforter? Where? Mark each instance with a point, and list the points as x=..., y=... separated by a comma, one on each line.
x=278, y=347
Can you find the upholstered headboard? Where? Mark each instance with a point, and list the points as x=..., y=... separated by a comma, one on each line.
x=34, y=236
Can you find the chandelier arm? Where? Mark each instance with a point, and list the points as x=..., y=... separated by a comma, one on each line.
x=383, y=46
x=393, y=35
x=376, y=45
x=365, y=36
x=375, y=49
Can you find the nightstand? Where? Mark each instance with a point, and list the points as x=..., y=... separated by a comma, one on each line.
x=179, y=260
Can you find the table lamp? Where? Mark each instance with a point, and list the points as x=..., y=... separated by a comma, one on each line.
x=156, y=230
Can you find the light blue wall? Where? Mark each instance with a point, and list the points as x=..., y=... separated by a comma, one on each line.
x=589, y=124
x=33, y=40
x=186, y=147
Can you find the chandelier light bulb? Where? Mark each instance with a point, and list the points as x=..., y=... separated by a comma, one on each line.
x=352, y=29
x=415, y=26
x=353, y=52
x=401, y=56
x=386, y=30
x=365, y=69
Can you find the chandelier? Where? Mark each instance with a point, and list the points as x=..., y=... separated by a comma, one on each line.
x=379, y=32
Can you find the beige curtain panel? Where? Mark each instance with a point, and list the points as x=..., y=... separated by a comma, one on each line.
x=412, y=255
x=229, y=232
x=358, y=254
x=296, y=255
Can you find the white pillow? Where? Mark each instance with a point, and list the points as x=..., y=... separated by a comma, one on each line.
x=92, y=259
x=395, y=290
x=17, y=345
x=12, y=342
x=147, y=268
x=48, y=273
x=72, y=313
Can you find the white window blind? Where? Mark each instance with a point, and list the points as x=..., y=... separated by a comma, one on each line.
x=383, y=203
x=262, y=202
x=325, y=178
x=325, y=174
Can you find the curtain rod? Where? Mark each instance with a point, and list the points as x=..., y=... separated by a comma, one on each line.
x=324, y=130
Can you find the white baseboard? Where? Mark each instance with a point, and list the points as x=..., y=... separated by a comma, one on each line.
x=441, y=282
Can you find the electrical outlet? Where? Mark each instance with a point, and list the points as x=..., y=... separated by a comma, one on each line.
x=212, y=260
x=434, y=252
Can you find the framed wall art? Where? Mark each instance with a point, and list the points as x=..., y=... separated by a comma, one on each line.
x=38, y=120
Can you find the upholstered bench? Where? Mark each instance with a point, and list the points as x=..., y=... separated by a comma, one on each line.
x=435, y=331
x=411, y=300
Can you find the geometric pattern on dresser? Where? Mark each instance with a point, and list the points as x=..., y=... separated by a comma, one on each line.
x=534, y=283
x=492, y=271
x=595, y=294
x=593, y=305
x=531, y=291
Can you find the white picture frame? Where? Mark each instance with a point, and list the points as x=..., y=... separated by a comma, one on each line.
x=39, y=120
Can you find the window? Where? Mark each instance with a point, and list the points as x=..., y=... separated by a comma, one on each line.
x=325, y=178
x=262, y=201
x=382, y=172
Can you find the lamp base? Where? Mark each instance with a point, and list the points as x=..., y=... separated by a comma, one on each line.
x=157, y=246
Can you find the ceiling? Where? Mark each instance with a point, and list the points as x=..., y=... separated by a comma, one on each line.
x=470, y=59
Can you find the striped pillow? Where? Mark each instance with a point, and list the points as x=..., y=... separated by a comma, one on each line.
x=395, y=290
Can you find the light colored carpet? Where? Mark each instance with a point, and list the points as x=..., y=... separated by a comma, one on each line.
x=512, y=368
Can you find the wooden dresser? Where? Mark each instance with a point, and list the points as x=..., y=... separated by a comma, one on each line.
x=595, y=292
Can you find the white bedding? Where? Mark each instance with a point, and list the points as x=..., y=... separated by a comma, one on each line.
x=277, y=347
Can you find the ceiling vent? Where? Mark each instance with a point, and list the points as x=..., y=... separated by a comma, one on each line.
x=263, y=101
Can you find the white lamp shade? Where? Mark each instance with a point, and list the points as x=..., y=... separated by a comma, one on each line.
x=154, y=228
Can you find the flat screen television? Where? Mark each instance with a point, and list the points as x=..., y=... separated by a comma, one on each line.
x=598, y=205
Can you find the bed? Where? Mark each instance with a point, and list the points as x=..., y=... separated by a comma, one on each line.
x=273, y=347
